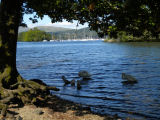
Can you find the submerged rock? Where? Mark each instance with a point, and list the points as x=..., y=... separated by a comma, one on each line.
x=78, y=85
x=128, y=79
x=84, y=74
x=73, y=82
x=65, y=80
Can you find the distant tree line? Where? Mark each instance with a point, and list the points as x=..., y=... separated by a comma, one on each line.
x=146, y=36
x=84, y=33
x=123, y=36
x=34, y=35
x=39, y=35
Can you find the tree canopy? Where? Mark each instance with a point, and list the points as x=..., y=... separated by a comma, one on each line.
x=132, y=16
x=106, y=17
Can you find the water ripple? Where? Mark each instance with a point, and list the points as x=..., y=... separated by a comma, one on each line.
x=104, y=92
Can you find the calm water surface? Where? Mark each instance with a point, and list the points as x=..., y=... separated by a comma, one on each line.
x=105, y=61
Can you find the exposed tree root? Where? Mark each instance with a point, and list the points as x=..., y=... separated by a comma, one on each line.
x=23, y=92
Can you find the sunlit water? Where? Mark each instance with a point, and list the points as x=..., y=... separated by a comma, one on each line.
x=105, y=93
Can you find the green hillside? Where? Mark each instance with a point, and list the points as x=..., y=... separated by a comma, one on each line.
x=52, y=29
x=45, y=28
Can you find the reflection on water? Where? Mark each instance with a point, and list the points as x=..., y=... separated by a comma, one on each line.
x=105, y=61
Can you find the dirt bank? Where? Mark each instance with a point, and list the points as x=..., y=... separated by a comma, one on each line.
x=53, y=108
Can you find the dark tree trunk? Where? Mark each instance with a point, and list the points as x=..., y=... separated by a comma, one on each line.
x=13, y=88
x=10, y=15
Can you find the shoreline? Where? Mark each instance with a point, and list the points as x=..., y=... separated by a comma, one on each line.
x=112, y=40
x=55, y=108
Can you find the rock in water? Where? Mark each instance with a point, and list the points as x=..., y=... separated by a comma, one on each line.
x=84, y=74
x=65, y=80
x=128, y=79
x=78, y=85
x=73, y=82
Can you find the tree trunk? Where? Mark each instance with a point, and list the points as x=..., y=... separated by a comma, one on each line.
x=13, y=88
x=10, y=15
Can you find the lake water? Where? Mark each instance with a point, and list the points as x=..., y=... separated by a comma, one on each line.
x=106, y=62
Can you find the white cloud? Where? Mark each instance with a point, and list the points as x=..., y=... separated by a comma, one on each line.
x=64, y=24
x=47, y=22
x=32, y=25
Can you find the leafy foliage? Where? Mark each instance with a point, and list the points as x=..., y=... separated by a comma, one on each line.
x=132, y=16
x=106, y=17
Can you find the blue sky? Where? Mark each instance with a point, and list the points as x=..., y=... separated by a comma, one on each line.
x=47, y=22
